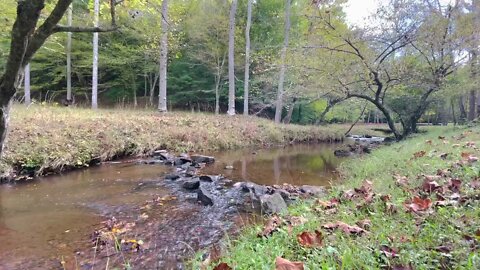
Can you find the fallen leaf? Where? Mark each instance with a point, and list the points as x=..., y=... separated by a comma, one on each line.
x=443, y=155
x=454, y=184
x=222, y=266
x=310, y=240
x=386, y=198
x=418, y=204
x=430, y=186
x=344, y=227
x=401, y=181
x=366, y=187
x=272, y=226
x=428, y=142
x=284, y=264
x=465, y=155
x=419, y=154
x=388, y=251
x=364, y=224
x=328, y=204
x=441, y=137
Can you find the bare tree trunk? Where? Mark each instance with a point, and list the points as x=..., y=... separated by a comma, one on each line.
x=247, y=57
x=454, y=117
x=279, y=105
x=69, y=55
x=231, y=60
x=218, y=80
x=162, y=95
x=358, y=119
x=472, y=105
x=27, y=85
x=288, y=117
x=463, y=112
x=152, y=89
x=95, y=58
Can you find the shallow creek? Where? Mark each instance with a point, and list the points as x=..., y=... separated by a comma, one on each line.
x=51, y=219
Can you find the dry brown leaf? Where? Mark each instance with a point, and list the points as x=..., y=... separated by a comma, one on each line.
x=310, y=240
x=284, y=264
x=272, y=226
x=222, y=266
x=418, y=204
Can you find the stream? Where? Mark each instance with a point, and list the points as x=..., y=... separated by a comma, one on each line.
x=48, y=223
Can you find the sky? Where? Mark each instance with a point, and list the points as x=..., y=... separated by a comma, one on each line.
x=358, y=10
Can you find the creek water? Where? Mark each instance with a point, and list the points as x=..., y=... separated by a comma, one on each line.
x=50, y=219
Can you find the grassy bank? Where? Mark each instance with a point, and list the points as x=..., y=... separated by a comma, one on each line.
x=383, y=226
x=46, y=139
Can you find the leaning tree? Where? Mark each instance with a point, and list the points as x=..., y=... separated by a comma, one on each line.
x=398, y=63
x=28, y=34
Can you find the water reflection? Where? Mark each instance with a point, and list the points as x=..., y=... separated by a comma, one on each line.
x=298, y=165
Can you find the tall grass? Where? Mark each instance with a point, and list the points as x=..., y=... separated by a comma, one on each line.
x=50, y=139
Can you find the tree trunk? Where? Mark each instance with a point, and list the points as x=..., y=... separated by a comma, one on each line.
x=279, y=104
x=27, y=85
x=162, y=95
x=152, y=89
x=247, y=57
x=471, y=105
x=95, y=58
x=218, y=80
x=454, y=117
x=69, y=55
x=463, y=112
x=288, y=117
x=231, y=59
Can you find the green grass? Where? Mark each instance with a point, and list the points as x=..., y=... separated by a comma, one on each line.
x=51, y=139
x=415, y=237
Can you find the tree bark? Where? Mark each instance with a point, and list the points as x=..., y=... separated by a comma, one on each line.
x=95, y=57
x=288, y=117
x=69, y=55
x=28, y=13
x=162, y=95
x=463, y=113
x=231, y=59
x=472, y=105
x=152, y=89
x=279, y=104
x=27, y=85
x=247, y=57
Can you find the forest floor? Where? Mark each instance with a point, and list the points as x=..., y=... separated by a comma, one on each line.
x=410, y=205
x=44, y=140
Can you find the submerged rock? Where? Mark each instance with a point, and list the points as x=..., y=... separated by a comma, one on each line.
x=315, y=191
x=202, y=159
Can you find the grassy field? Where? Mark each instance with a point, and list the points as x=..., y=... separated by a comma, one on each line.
x=51, y=139
x=411, y=205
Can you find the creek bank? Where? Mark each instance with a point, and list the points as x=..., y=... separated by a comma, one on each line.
x=47, y=140
x=202, y=209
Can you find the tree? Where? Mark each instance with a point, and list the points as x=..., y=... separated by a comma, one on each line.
x=69, y=55
x=279, y=103
x=231, y=59
x=398, y=65
x=26, y=82
x=162, y=96
x=26, y=39
x=247, y=57
x=95, y=56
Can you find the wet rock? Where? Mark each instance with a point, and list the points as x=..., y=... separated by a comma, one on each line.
x=179, y=161
x=272, y=204
x=172, y=176
x=204, y=196
x=190, y=171
x=207, y=178
x=202, y=159
x=313, y=190
x=191, y=184
x=285, y=194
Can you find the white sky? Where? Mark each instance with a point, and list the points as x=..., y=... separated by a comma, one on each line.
x=358, y=10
